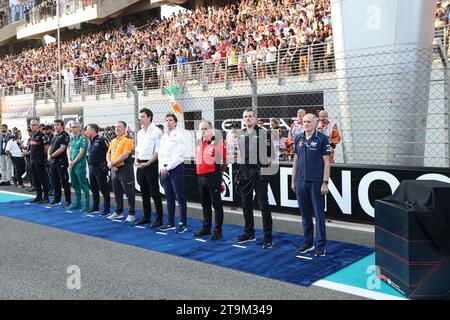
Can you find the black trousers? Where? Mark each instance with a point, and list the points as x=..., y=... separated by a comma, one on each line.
x=19, y=168
x=209, y=189
x=49, y=176
x=123, y=180
x=98, y=180
x=29, y=171
x=149, y=183
x=60, y=177
x=39, y=177
x=260, y=186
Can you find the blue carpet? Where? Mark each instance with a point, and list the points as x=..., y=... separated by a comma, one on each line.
x=279, y=263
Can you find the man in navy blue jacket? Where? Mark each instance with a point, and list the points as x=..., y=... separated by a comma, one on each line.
x=310, y=176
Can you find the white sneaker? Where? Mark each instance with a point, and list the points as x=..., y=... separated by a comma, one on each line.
x=115, y=216
x=130, y=218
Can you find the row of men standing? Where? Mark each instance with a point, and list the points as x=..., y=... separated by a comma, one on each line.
x=160, y=156
x=67, y=155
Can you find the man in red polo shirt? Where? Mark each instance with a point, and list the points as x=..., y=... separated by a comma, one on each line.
x=210, y=161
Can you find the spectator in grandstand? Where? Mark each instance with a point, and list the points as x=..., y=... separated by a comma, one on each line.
x=5, y=159
x=329, y=51
x=441, y=17
x=249, y=177
x=201, y=33
x=58, y=162
x=14, y=150
x=271, y=59
x=98, y=170
x=77, y=151
x=330, y=130
x=171, y=170
x=310, y=176
x=146, y=162
x=122, y=173
x=261, y=52
x=38, y=155
x=232, y=66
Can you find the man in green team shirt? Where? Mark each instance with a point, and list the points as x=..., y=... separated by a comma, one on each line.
x=77, y=164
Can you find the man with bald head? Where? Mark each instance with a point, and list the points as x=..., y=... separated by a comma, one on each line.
x=310, y=175
x=330, y=130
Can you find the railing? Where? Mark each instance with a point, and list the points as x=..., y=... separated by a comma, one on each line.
x=39, y=12
x=441, y=37
x=299, y=61
x=277, y=64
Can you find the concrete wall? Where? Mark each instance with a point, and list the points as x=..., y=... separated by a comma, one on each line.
x=381, y=67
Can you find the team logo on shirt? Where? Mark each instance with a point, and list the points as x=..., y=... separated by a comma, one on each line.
x=211, y=151
x=301, y=143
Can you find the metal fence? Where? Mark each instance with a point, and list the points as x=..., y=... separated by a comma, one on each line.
x=42, y=12
x=390, y=108
x=266, y=64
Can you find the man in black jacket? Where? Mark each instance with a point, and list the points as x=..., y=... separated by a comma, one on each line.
x=38, y=155
x=256, y=151
x=98, y=169
x=58, y=163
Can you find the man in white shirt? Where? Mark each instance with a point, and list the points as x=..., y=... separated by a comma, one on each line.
x=171, y=169
x=5, y=161
x=146, y=162
x=271, y=58
x=13, y=149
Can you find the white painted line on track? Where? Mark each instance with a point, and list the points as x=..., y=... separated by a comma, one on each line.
x=302, y=257
x=18, y=194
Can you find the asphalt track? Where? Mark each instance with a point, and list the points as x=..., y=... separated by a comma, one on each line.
x=35, y=260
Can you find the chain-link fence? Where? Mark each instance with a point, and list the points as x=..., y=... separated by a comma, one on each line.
x=389, y=108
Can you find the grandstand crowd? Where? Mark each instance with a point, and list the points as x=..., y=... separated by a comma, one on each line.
x=262, y=33
x=239, y=32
